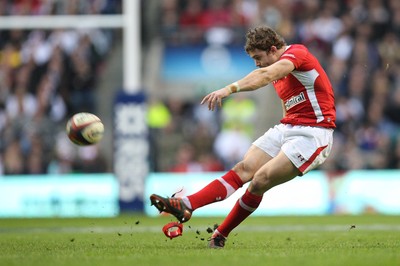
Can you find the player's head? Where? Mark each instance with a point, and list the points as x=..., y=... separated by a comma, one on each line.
x=263, y=38
x=262, y=43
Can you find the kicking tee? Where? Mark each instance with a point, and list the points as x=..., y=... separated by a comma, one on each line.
x=306, y=92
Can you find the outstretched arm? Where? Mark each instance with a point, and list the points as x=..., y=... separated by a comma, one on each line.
x=254, y=80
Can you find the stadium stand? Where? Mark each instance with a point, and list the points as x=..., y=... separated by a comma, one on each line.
x=357, y=41
x=45, y=76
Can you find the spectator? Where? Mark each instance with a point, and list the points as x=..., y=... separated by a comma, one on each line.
x=231, y=145
x=185, y=160
x=190, y=21
x=239, y=113
x=13, y=159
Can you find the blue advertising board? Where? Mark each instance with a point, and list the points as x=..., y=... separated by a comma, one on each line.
x=205, y=62
x=131, y=148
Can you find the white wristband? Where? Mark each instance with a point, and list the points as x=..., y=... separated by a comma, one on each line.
x=236, y=84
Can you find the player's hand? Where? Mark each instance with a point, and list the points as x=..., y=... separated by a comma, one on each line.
x=215, y=98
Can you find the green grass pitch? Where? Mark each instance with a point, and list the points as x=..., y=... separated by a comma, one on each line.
x=138, y=240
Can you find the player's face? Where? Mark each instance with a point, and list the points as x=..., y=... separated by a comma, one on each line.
x=263, y=58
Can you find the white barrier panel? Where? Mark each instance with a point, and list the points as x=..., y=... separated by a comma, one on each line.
x=317, y=193
x=307, y=195
x=367, y=191
x=78, y=195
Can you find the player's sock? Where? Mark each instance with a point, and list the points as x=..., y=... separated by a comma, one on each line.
x=247, y=204
x=217, y=190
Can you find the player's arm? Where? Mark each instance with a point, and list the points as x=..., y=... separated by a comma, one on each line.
x=263, y=76
x=254, y=80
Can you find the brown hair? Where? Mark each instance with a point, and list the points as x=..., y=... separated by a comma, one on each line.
x=262, y=38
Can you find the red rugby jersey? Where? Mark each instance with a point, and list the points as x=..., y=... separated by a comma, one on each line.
x=306, y=92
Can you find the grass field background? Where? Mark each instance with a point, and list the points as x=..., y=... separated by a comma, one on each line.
x=138, y=240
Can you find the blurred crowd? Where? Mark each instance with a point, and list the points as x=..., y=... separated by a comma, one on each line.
x=45, y=77
x=187, y=137
x=358, y=43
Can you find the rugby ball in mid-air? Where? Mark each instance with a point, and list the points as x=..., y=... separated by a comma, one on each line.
x=85, y=129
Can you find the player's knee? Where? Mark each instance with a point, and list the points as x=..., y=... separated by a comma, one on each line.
x=260, y=184
x=256, y=187
x=244, y=170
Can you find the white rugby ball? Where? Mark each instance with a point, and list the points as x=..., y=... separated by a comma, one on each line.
x=85, y=129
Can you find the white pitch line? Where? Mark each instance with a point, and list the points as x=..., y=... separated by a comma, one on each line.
x=248, y=228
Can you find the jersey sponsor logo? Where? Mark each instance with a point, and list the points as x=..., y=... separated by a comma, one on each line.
x=295, y=100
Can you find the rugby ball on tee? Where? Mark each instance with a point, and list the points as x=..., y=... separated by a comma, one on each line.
x=85, y=129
